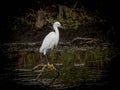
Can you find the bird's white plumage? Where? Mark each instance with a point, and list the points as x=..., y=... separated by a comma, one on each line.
x=51, y=39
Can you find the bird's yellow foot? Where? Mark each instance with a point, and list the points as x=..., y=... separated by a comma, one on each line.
x=51, y=66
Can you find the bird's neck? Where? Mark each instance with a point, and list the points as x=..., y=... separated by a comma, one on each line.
x=56, y=31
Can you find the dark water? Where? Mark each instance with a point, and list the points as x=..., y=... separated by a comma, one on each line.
x=78, y=69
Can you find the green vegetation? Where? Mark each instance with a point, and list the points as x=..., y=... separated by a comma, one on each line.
x=73, y=17
x=70, y=17
x=78, y=64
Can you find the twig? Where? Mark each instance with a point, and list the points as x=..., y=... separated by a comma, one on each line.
x=41, y=71
x=58, y=74
x=38, y=66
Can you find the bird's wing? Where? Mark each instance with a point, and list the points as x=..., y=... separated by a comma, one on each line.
x=48, y=42
x=49, y=39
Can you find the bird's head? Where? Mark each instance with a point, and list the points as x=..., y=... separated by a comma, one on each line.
x=57, y=24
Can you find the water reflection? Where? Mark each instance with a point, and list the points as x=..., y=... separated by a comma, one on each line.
x=77, y=66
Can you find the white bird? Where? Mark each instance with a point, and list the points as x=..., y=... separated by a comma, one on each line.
x=50, y=41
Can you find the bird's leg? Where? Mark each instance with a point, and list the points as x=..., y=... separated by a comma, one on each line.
x=50, y=66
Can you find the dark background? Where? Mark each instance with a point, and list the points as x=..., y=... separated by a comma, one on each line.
x=107, y=9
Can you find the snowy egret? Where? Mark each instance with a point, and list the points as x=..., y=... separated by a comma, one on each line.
x=50, y=41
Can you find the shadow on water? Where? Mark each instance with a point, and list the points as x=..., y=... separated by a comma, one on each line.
x=79, y=67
